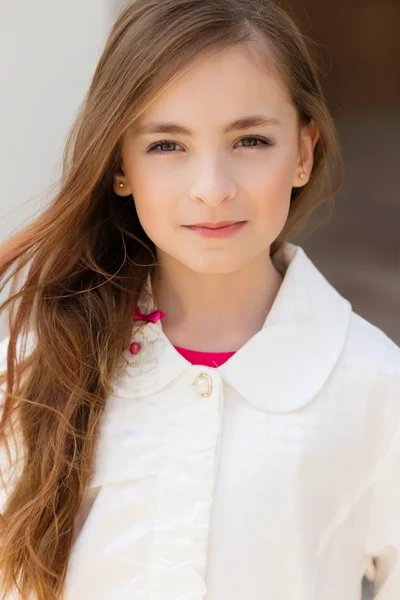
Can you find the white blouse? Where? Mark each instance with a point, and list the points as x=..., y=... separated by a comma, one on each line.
x=275, y=475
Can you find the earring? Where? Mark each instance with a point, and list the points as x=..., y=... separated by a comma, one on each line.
x=301, y=175
x=121, y=185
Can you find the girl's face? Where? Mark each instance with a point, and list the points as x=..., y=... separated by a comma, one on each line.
x=212, y=172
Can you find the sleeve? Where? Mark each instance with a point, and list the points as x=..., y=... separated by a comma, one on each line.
x=3, y=456
x=3, y=359
x=8, y=473
x=383, y=539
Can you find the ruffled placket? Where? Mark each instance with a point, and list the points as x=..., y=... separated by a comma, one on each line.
x=146, y=536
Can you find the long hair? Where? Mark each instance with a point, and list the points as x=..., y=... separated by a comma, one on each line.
x=86, y=257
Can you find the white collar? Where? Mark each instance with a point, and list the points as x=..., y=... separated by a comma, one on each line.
x=282, y=367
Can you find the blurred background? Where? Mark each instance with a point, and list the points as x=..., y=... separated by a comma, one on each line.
x=357, y=245
x=48, y=55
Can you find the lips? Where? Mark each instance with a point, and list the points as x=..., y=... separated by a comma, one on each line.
x=219, y=225
x=223, y=229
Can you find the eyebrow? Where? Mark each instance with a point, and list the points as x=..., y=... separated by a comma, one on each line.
x=177, y=129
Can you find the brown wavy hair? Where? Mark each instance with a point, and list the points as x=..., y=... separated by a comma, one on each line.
x=86, y=258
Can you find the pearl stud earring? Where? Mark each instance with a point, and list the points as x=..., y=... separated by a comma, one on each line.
x=301, y=175
x=121, y=185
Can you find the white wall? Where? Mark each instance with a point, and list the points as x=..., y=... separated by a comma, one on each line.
x=48, y=52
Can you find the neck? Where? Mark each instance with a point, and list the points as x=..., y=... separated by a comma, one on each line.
x=215, y=312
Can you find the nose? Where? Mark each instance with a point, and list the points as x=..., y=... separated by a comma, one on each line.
x=212, y=200
x=213, y=188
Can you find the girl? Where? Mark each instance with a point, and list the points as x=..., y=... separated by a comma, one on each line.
x=196, y=412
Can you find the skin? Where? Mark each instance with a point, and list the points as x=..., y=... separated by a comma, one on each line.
x=204, y=284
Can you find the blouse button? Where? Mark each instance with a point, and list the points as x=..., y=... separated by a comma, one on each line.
x=203, y=385
x=134, y=348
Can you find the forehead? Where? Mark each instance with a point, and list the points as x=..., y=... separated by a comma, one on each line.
x=221, y=87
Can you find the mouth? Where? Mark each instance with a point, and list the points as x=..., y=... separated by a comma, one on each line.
x=221, y=229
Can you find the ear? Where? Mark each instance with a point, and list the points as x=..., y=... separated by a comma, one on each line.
x=120, y=177
x=309, y=136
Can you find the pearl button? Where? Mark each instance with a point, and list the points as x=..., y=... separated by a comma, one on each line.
x=203, y=384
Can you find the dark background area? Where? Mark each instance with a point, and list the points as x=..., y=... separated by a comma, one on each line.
x=356, y=243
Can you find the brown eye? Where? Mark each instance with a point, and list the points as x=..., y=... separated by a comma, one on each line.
x=154, y=149
x=263, y=141
x=162, y=143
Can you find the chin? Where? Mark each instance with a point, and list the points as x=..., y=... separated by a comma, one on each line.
x=213, y=266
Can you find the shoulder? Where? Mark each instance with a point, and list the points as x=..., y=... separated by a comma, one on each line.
x=3, y=353
x=370, y=367
x=3, y=368
x=15, y=446
x=30, y=340
x=371, y=349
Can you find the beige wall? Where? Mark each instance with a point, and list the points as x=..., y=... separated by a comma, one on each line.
x=48, y=51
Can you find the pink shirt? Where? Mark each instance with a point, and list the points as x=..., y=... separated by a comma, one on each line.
x=208, y=359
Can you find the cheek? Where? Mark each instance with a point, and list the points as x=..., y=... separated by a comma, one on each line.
x=151, y=198
x=274, y=174
x=273, y=202
x=155, y=213
x=272, y=216
x=274, y=188
x=151, y=211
